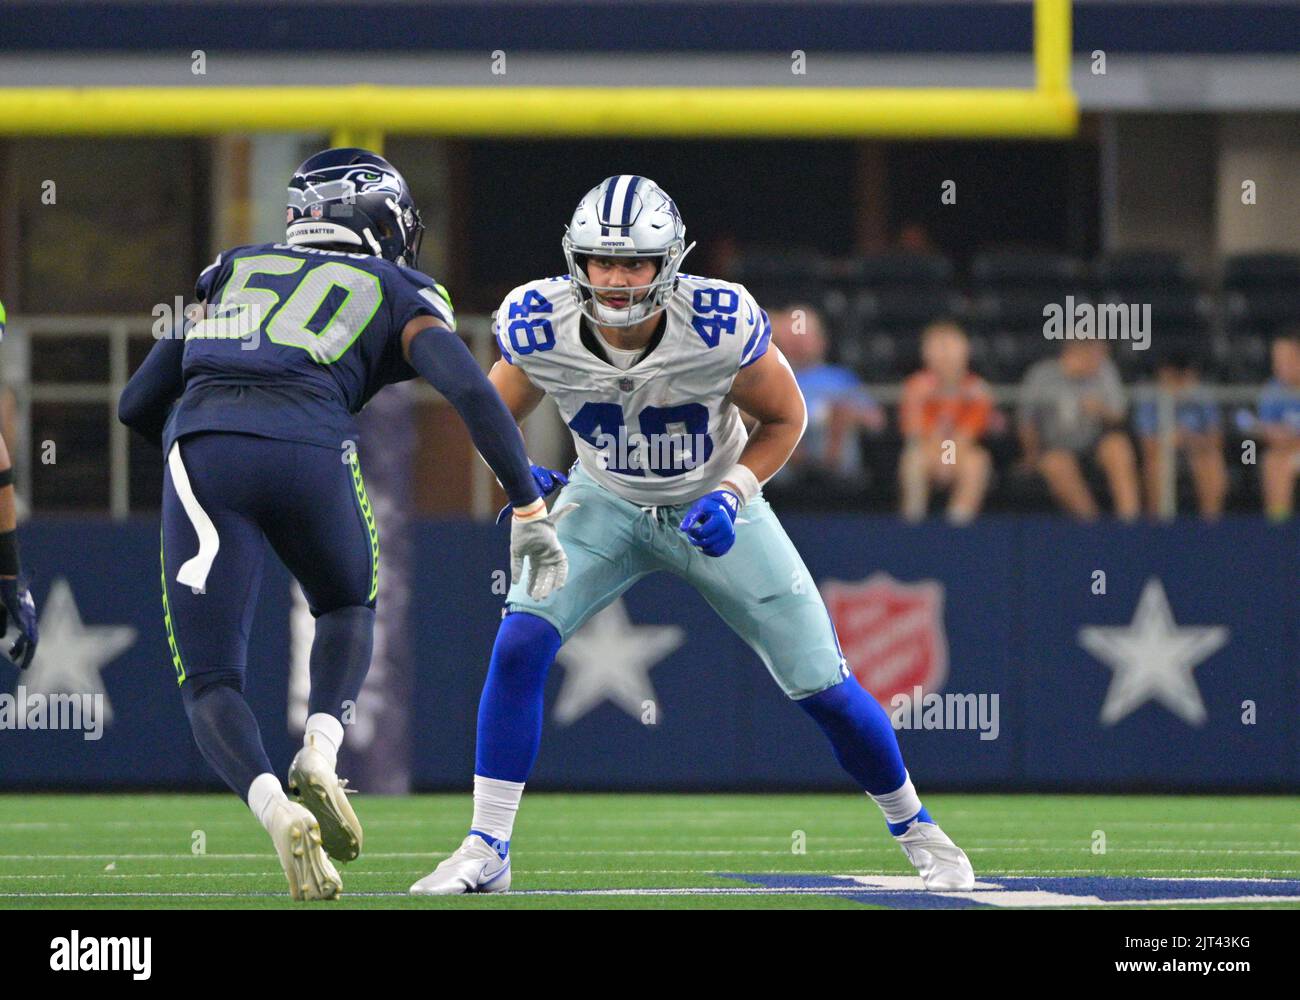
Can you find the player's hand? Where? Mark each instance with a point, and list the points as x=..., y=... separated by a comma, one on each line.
x=710, y=524
x=547, y=480
x=16, y=600
x=535, y=537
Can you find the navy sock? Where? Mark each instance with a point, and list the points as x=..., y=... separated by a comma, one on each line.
x=510, y=709
x=340, y=658
x=861, y=735
x=225, y=730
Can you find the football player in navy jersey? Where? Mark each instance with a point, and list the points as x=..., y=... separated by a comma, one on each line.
x=252, y=404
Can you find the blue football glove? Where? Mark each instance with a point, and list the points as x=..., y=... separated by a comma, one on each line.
x=16, y=600
x=547, y=480
x=710, y=524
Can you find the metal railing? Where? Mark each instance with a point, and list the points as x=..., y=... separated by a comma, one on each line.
x=25, y=335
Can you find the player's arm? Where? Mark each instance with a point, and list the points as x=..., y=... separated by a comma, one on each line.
x=15, y=599
x=152, y=390
x=768, y=392
x=516, y=389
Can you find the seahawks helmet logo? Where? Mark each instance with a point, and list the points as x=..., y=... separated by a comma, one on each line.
x=341, y=183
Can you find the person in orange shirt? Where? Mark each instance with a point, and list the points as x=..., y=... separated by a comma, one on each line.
x=945, y=410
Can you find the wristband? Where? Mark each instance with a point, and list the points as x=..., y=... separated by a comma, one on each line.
x=9, y=564
x=742, y=481
x=535, y=511
x=6, y=477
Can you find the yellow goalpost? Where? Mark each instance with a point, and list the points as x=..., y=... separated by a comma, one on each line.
x=362, y=113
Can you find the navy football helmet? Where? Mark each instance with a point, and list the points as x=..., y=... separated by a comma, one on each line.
x=356, y=199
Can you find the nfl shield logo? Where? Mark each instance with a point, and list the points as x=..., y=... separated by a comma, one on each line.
x=317, y=210
x=891, y=633
x=625, y=385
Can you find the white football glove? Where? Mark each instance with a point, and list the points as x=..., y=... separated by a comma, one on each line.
x=534, y=536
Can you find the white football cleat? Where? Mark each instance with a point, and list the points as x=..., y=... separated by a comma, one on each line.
x=313, y=781
x=296, y=835
x=943, y=865
x=475, y=867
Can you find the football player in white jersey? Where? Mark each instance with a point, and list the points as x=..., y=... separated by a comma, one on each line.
x=650, y=369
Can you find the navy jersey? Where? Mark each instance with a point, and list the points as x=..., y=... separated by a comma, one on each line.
x=295, y=340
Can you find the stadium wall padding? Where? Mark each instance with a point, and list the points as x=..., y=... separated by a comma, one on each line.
x=1001, y=607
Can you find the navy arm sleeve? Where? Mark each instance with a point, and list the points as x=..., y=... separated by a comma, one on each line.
x=155, y=386
x=446, y=363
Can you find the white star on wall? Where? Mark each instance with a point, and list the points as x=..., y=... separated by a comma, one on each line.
x=71, y=655
x=1153, y=658
x=609, y=659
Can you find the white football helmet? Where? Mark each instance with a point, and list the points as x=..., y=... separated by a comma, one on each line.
x=626, y=216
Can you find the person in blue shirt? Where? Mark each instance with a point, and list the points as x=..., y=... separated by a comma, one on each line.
x=1279, y=427
x=1198, y=435
x=839, y=406
x=253, y=401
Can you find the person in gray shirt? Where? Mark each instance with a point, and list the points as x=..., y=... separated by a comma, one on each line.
x=1074, y=406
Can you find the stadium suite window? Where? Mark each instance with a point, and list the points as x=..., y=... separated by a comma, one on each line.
x=107, y=228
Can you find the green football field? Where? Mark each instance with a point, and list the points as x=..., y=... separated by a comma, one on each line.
x=654, y=851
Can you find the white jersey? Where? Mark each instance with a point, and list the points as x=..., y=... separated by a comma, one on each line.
x=662, y=431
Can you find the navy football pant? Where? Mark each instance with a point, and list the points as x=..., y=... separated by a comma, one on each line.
x=225, y=498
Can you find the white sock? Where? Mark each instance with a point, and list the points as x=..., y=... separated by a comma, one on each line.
x=495, y=805
x=901, y=804
x=325, y=733
x=264, y=794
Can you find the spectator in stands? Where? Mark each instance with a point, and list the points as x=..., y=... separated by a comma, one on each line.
x=1279, y=425
x=1073, y=407
x=839, y=406
x=1198, y=435
x=944, y=412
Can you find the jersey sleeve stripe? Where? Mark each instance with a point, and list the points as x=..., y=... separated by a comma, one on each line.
x=439, y=306
x=756, y=347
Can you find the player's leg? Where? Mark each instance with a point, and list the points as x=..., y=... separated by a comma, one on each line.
x=212, y=556
x=763, y=590
x=321, y=524
x=606, y=556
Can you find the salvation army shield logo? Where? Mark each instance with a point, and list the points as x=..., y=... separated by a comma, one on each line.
x=891, y=633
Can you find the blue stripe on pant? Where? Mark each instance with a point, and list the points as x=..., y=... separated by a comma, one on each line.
x=306, y=501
